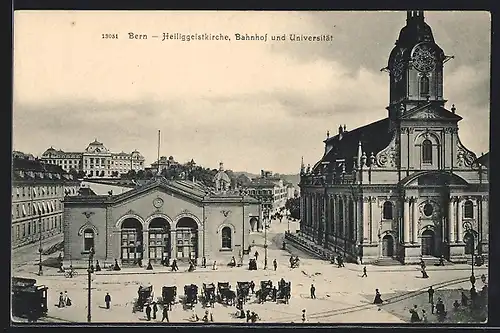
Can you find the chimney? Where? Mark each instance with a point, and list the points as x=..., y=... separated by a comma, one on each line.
x=344, y=128
x=327, y=134
x=340, y=129
x=453, y=109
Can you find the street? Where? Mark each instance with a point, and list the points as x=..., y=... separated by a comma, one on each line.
x=342, y=295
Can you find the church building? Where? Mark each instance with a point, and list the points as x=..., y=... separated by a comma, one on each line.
x=404, y=187
x=175, y=219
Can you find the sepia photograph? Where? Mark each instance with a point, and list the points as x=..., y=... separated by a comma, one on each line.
x=250, y=167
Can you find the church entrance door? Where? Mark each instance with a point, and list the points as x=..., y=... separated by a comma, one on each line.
x=428, y=243
x=387, y=246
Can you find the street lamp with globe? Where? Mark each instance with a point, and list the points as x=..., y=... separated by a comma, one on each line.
x=40, y=248
x=470, y=233
x=89, y=271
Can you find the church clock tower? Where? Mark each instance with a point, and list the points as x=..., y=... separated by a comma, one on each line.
x=415, y=67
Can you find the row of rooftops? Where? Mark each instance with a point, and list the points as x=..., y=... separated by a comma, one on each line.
x=30, y=170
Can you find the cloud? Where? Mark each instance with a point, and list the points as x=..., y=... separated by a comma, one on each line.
x=253, y=105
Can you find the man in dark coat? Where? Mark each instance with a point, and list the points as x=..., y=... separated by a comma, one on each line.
x=174, y=266
x=275, y=264
x=431, y=294
x=107, y=300
x=364, y=272
x=155, y=310
x=313, y=291
x=148, y=312
x=165, y=314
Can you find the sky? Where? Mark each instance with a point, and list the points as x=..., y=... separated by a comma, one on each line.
x=250, y=104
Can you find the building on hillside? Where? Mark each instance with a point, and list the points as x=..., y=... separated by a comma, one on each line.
x=161, y=219
x=21, y=155
x=95, y=161
x=405, y=186
x=163, y=163
x=37, y=193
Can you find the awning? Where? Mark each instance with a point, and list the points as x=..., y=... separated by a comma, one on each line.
x=43, y=190
x=35, y=191
x=40, y=210
x=35, y=209
x=24, y=210
x=45, y=210
x=52, y=205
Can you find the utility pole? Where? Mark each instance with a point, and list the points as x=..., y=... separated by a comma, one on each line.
x=40, y=249
x=266, y=216
x=89, y=271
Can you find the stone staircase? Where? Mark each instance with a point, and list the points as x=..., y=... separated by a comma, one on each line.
x=386, y=261
x=309, y=247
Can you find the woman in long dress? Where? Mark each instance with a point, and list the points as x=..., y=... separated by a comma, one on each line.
x=378, y=298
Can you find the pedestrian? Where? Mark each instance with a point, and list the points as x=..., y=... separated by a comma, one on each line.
x=204, y=262
x=431, y=294
x=211, y=317
x=256, y=255
x=68, y=300
x=414, y=315
x=248, y=316
x=62, y=303
x=65, y=296
x=441, y=260
x=252, y=287
x=174, y=266
x=165, y=314
x=303, y=315
x=275, y=264
x=424, y=316
x=214, y=266
x=97, y=266
x=364, y=272
x=148, y=312
x=116, y=267
x=205, y=317
x=313, y=291
x=155, y=310
x=150, y=266
x=378, y=297
x=107, y=300
x=432, y=307
x=424, y=274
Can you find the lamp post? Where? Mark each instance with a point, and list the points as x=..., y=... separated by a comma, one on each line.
x=470, y=232
x=40, y=249
x=266, y=216
x=89, y=271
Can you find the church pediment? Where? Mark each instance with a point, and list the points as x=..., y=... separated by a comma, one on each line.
x=430, y=112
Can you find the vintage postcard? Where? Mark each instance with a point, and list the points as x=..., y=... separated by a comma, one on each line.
x=250, y=167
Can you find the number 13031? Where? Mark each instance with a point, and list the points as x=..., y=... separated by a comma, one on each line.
x=109, y=36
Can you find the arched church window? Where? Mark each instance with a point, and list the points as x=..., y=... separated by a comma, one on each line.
x=226, y=238
x=424, y=86
x=468, y=210
x=387, y=210
x=427, y=151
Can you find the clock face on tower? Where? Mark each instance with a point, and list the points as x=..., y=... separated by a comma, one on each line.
x=397, y=67
x=424, y=57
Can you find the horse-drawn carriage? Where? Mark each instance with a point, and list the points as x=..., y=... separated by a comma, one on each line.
x=242, y=293
x=265, y=292
x=190, y=295
x=225, y=294
x=284, y=291
x=144, y=296
x=168, y=296
x=252, y=265
x=208, y=294
x=28, y=299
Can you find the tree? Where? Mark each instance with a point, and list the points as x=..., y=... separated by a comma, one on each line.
x=81, y=174
x=148, y=174
x=293, y=206
x=131, y=174
x=73, y=172
x=141, y=174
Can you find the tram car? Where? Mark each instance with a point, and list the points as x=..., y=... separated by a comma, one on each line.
x=28, y=299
